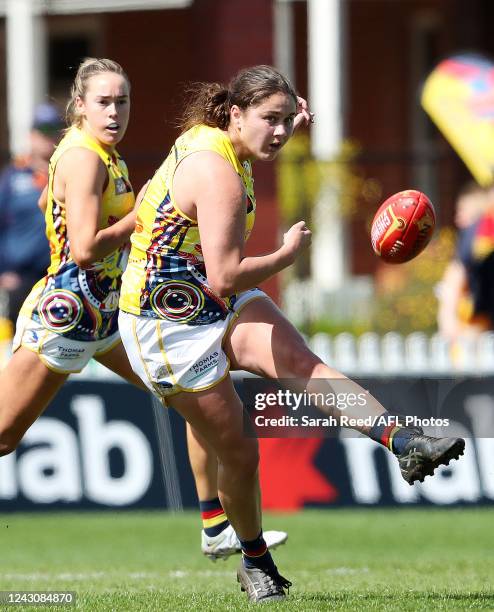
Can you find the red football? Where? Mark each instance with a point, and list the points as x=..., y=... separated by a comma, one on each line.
x=403, y=226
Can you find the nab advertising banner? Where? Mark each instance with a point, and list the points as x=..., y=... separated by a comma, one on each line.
x=107, y=445
x=98, y=445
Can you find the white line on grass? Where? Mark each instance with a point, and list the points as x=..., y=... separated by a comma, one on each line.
x=175, y=574
x=101, y=575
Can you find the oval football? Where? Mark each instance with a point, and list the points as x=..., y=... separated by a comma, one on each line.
x=403, y=226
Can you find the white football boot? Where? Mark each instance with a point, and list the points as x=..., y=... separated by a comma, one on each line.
x=226, y=543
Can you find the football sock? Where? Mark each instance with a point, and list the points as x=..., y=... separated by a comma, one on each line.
x=255, y=553
x=399, y=439
x=213, y=517
x=393, y=437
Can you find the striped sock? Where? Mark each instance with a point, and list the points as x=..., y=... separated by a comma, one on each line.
x=255, y=553
x=393, y=437
x=213, y=516
x=400, y=438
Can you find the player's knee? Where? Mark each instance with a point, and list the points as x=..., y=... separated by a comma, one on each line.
x=8, y=444
x=243, y=458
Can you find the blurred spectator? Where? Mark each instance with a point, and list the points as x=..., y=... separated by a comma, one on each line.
x=24, y=253
x=466, y=291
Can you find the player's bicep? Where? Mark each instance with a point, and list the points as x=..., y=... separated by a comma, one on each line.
x=222, y=245
x=84, y=176
x=221, y=212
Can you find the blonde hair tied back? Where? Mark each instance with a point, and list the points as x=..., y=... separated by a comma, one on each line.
x=88, y=68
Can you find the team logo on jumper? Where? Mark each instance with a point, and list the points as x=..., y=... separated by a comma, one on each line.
x=121, y=186
x=60, y=310
x=177, y=301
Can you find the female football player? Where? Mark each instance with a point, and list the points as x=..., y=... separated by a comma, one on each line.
x=71, y=314
x=190, y=309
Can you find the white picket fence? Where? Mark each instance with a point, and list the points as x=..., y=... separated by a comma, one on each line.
x=415, y=354
x=370, y=354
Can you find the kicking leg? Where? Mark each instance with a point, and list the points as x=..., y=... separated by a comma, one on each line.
x=262, y=341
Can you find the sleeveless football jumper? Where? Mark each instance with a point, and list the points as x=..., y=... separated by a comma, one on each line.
x=166, y=277
x=81, y=304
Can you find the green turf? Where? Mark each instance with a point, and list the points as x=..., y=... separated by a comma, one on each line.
x=340, y=560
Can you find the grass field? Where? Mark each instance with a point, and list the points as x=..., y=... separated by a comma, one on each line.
x=339, y=560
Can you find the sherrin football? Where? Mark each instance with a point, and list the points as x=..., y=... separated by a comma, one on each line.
x=403, y=226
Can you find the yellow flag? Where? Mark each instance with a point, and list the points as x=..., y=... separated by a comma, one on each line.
x=458, y=96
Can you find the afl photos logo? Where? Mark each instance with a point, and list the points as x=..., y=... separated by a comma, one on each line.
x=177, y=301
x=60, y=310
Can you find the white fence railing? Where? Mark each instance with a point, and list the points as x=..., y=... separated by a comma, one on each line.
x=370, y=354
x=417, y=354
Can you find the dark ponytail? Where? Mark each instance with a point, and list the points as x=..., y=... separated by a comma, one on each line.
x=210, y=103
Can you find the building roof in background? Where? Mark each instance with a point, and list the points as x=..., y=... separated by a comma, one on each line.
x=99, y=6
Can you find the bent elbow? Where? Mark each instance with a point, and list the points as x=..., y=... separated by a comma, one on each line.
x=82, y=259
x=222, y=287
x=226, y=292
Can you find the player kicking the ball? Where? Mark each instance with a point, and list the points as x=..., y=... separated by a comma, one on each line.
x=71, y=314
x=189, y=298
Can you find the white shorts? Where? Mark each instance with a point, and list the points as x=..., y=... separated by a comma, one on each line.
x=173, y=357
x=59, y=354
